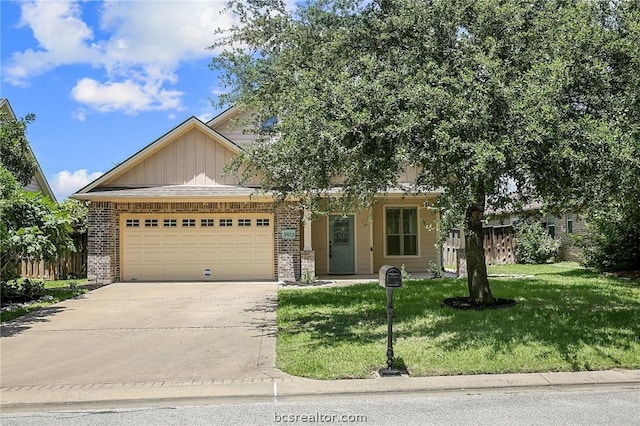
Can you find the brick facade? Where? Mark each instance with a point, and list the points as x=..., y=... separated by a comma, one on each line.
x=104, y=233
x=287, y=251
x=102, y=243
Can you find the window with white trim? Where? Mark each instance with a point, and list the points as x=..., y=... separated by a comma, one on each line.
x=132, y=223
x=401, y=231
x=225, y=222
x=170, y=223
x=244, y=222
x=551, y=226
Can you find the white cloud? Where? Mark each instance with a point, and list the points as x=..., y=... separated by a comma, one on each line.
x=128, y=96
x=138, y=44
x=66, y=182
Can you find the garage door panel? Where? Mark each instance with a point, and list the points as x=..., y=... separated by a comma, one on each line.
x=184, y=253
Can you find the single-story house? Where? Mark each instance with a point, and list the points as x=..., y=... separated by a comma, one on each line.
x=169, y=212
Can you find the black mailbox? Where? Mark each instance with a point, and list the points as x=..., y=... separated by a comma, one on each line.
x=390, y=277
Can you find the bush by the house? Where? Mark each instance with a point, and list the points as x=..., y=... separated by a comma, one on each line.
x=22, y=289
x=534, y=245
x=612, y=242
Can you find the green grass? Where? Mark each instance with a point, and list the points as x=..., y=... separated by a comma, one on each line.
x=55, y=291
x=566, y=319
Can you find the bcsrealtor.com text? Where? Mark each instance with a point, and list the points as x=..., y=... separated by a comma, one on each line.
x=320, y=418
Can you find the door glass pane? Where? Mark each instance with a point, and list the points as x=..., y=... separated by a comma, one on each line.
x=341, y=231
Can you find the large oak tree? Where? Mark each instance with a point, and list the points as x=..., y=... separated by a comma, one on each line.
x=496, y=102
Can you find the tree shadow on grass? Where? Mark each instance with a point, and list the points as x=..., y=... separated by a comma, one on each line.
x=556, y=313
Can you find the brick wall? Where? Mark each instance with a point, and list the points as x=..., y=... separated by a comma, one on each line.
x=287, y=251
x=102, y=239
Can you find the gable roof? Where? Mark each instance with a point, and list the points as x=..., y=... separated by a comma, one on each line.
x=158, y=144
x=39, y=178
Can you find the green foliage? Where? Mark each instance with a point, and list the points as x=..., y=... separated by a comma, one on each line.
x=308, y=278
x=612, y=242
x=27, y=288
x=32, y=228
x=8, y=183
x=77, y=212
x=534, y=245
x=406, y=276
x=15, y=154
x=435, y=270
x=473, y=93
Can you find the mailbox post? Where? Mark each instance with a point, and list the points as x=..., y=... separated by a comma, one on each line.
x=390, y=278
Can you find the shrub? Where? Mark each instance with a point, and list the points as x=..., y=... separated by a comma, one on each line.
x=534, y=245
x=32, y=289
x=9, y=288
x=612, y=241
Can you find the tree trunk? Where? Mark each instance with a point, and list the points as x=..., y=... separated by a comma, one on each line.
x=479, y=291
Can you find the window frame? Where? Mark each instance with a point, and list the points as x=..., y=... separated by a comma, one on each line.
x=401, y=234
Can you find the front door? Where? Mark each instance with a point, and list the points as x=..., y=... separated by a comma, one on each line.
x=341, y=245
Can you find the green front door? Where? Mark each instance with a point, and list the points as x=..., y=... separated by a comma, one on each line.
x=341, y=245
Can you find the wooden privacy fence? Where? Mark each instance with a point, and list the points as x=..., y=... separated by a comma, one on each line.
x=499, y=246
x=70, y=265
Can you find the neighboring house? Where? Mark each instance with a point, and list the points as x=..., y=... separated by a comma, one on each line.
x=499, y=239
x=170, y=213
x=39, y=182
x=560, y=227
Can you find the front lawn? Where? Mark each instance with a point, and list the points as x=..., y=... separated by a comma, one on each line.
x=566, y=319
x=54, y=292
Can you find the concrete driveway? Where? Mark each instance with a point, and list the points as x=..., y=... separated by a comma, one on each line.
x=147, y=334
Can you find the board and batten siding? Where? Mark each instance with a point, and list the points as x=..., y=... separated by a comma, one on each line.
x=237, y=130
x=193, y=158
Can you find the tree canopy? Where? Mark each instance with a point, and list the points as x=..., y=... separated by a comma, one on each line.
x=496, y=102
x=15, y=154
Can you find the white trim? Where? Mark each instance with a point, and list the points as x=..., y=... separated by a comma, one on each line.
x=384, y=231
x=371, y=240
x=307, y=231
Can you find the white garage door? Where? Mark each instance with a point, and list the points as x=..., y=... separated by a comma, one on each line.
x=196, y=247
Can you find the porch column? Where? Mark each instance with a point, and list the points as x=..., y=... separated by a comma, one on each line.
x=307, y=255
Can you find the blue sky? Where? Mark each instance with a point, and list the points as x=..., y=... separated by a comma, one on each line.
x=105, y=78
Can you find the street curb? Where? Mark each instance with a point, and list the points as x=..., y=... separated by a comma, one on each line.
x=300, y=388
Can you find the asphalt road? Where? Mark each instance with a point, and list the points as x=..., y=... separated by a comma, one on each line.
x=590, y=407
